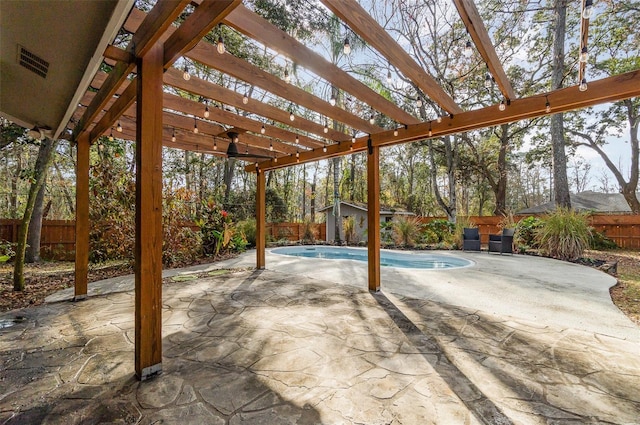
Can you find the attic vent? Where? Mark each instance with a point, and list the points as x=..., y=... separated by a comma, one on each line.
x=33, y=62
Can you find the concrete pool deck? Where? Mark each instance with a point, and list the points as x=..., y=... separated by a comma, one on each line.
x=277, y=347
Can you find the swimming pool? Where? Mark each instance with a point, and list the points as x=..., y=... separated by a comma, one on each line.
x=408, y=260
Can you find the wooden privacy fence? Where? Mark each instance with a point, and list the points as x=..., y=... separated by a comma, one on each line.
x=58, y=236
x=623, y=229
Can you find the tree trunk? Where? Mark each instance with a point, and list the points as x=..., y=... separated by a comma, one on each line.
x=45, y=156
x=434, y=181
x=501, y=186
x=13, y=199
x=560, y=180
x=32, y=253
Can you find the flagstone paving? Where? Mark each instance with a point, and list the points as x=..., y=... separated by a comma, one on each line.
x=265, y=347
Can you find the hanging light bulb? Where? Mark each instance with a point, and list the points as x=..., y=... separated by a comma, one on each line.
x=275, y=159
x=347, y=46
x=588, y=9
x=439, y=119
x=326, y=128
x=502, y=106
x=583, y=85
x=185, y=73
x=372, y=119
x=262, y=129
x=297, y=139
x=353, y=138
x=119, y=127
x=111, y=135
x=195, y=125
x=173, y=135
x=287, y=77
x=324, y=148
x=547, y=106
x=584, y=55
x=430, y=131
x=332, y=101
x=270, y=146
x=245, y=98
x=297, y=153
x=206, y=111
x=389, y=78
x=215, y=144
x=291, y=116
x=419, y=102
x=468, y=49
x=220, y=45
x=487, y=81
x=395, y=132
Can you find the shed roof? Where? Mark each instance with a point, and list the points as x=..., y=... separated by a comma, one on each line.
x=587, y=201
x=363, y=207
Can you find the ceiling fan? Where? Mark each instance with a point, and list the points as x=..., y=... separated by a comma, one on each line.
x=232, y=149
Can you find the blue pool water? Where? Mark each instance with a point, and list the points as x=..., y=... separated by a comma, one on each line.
x=387, y=258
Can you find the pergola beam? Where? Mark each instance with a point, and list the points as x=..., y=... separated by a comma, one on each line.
x=478, y=32
x=608, y=89
x=370, y=31
x=150, y=31
x=258, y=28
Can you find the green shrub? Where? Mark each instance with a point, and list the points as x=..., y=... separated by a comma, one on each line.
x=600, y=241
x=405, y=230
x=248, y=229
x=565, y=234
x=440, y=230
x=525, y=234
x=215, y=226
x=6, y=251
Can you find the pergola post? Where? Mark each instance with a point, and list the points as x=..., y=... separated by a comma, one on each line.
x=373, y=215
x=148, y=240
x=82, y=217
x=260, y=220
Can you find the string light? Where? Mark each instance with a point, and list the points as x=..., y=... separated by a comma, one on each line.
x=245, y=98
x=487, y=81
x=326, y=128
x=372, y=119
x=215, y=144
x=547, y=106
x=262, y=129
x=270, y=145
x=287, y=77
x=297, y=139
x=389, y=78
x=583, y=85
x=275, y=159
x=332, y=101
x=347, y=46
x=502, y=106
x=439, y=119
x=324, y=148
x=206, y=111
x=220, y=45
x=119, y=126
x=430, y=131
x=419, y=102
x=584, y=55
x=395, y=132
x=588, y=9
x=173, y=135
x=185, y=73
x=195, y=125
x=111, y=135
x=291, y=116
x=468, y=50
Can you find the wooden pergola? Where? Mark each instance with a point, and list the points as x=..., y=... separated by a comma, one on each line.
x=141, y=71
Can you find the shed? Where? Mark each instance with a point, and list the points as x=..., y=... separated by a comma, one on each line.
x=357, y=211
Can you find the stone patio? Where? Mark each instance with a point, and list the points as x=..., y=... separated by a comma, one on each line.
x=265, y=347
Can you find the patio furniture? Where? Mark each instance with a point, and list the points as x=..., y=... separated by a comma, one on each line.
x=502, y=243
x=471, y=239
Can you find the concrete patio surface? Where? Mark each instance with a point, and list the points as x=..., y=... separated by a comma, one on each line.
x=268, y=347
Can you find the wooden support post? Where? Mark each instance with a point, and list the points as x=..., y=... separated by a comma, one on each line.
x=373, y=215
x=261, y=222
x=82, y=217
x=148, y=245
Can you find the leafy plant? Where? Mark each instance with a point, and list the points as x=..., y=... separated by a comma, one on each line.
x=525, y=234
x=600, y=241
x=439, y=229
x=349, y=228
x=215, y=228
x=405, y=230
x=565, y=234
x=248, y=229
x=6, y=251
